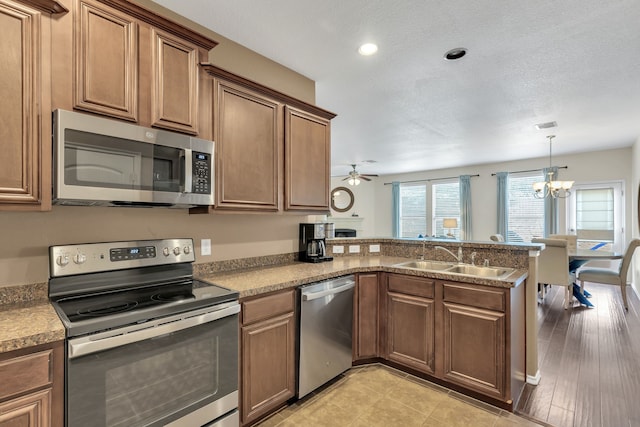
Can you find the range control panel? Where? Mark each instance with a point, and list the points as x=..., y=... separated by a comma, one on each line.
x=85, y=258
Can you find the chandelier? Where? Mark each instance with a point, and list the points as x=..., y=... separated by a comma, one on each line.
x=555, y=189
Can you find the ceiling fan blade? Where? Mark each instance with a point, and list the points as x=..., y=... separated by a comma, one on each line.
x=365, y=178
x=346, y=178
x=367, y=174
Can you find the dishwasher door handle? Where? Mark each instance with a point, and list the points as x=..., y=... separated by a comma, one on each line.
x=315, y=295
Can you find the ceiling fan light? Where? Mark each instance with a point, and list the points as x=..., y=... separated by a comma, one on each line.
x=354, y=181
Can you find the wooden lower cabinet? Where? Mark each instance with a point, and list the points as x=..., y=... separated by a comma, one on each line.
x=268, y=366
x=411, y=322
x=32, y=387
x=462, y=334
x=474, y=349
x=365, y=317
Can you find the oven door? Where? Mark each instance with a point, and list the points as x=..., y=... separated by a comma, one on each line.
x=180, y=370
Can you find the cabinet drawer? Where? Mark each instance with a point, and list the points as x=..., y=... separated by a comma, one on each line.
x=268, y=306
x=475, y=296
x=418, y=286
x=25, y=373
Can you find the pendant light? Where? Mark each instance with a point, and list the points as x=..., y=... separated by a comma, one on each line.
x=550, y=188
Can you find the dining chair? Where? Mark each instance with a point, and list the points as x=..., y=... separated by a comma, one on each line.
x=497, y=237
x=572, y=240
x=553, y=267
x=609, y=276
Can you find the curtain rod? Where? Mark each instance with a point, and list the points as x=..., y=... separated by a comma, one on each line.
x=428, y=180
x=532, y=170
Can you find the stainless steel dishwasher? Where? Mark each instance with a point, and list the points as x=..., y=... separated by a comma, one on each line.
x=326, y=322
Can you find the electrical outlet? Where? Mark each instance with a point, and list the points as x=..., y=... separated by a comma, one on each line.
x=205, y=247
x=337, y=249
x=374, y=248
x=354, y=249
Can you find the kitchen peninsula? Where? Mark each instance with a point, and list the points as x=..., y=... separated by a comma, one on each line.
x=466, y=332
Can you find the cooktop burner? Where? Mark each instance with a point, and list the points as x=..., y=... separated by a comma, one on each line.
x=108, y=308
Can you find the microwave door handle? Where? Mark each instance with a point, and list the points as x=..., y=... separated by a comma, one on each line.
x=187, y=179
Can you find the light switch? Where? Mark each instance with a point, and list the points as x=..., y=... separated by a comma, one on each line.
x=337, y=249
x=205, y=247
x=354, y=249
x=374, y=248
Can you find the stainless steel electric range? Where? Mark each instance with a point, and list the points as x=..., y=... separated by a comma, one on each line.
x=147, y=344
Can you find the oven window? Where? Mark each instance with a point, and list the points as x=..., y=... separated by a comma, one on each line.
x=155, y=381
x=93, y=160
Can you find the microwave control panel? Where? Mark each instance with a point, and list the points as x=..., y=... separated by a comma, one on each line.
x=201, y=173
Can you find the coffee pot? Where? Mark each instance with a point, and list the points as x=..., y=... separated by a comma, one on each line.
x=312, y=242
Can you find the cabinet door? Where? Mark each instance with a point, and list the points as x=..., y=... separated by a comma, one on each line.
x=174, y=95
x=31, y=410
x=410, y=331
x=248, y=137
x=24, y=89
x=268, y=366
x=366, y=317
x=307, y=161
x=474, y=348
x=106, y=61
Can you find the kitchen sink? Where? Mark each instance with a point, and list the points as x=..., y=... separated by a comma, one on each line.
x=426, y=265
x=476, y=270
x=464, y=269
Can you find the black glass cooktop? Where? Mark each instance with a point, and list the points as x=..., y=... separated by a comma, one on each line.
x=105, y=310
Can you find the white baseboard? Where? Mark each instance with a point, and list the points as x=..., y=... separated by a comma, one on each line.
x=534, y=379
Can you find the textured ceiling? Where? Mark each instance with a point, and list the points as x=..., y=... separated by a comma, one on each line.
x=576, y=62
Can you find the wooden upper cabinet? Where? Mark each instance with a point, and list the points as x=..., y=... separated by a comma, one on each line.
x=106, y=61
x=272, y=150
x=117, y=59
x=25, y=133
x=308, y=160
x=247, y=131
x=174, y=96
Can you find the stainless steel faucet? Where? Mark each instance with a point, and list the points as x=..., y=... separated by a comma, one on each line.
x=458, y=257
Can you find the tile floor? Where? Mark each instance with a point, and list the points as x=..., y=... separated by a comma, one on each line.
x=377, y=395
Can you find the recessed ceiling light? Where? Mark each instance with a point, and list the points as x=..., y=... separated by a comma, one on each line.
x=546, y=125
x=368, y=49
x=453, y=54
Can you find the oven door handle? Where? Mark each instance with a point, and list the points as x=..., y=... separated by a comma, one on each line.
x=107, y=340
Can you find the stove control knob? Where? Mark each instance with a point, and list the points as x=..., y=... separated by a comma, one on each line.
x=165, y=252
x=79, y=258
x=62, y=260
x=176, y=251
x=186, y=250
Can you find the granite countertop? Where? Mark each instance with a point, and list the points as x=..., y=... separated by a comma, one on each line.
x=26, y=324
x=28, y=319
x=256, y=281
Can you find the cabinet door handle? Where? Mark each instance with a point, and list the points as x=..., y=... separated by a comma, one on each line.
x=315, y=295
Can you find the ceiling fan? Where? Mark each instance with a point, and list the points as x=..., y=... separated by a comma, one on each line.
x=355, y=176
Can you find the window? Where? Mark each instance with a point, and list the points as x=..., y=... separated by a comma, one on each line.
x=526, y=213
x=413, y=210
x=594, y=215
x=446, y=204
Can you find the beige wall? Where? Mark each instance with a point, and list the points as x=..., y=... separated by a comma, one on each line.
x=595, y=166
x=27, y=236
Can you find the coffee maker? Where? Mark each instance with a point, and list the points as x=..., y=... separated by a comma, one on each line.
x=312, y=242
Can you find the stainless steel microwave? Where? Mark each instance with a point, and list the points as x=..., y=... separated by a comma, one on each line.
x=104, y=162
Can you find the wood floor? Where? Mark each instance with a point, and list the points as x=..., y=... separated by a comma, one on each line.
x=589, y=360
